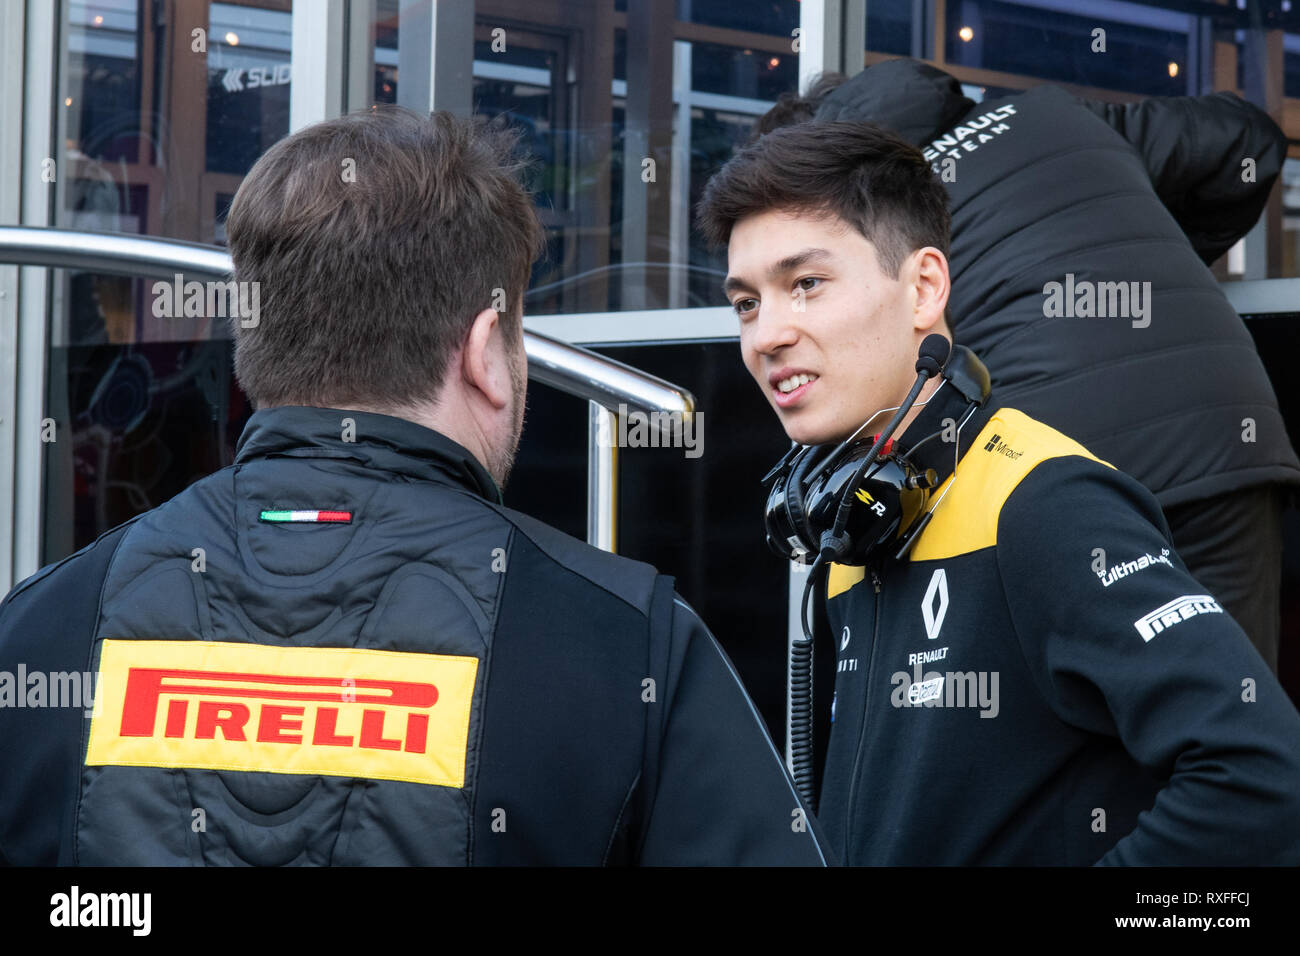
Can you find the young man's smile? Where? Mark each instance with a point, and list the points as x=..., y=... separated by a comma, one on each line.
x=791, y=385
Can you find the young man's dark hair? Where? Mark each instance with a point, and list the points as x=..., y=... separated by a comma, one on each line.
x=376, y=238
x=344, y=648
x=865, y=175
x=1037, y=679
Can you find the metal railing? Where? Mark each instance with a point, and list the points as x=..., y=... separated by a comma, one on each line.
x=612, y=388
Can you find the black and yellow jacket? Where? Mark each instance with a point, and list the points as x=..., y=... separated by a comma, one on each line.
x=1042, y=682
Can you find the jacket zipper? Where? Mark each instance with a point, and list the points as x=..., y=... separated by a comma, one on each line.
x=862, y=725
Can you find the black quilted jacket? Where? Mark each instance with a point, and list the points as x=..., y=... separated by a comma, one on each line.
x=343, y=650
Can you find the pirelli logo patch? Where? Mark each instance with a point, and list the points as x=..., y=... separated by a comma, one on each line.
x=1175, y=612
x=345, y=712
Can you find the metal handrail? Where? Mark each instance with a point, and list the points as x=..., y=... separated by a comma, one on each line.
x=612, y=388
x=577, y=371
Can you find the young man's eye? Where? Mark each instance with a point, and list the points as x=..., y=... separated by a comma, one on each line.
x=744, y=305
x=804, y=286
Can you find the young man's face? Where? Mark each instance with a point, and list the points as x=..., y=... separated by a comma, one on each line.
x=828, y=336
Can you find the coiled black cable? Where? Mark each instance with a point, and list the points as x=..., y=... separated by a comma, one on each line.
x=799, y=680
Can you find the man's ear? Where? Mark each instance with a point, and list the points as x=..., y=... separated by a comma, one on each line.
x=485, y=360
x=928, y=276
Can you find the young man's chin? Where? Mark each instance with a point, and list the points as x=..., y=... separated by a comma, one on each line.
x=813, y=423
x=808, y=433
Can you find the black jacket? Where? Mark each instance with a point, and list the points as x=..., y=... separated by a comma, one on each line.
x=1041, y=682
x=1045, y=186
x=419, y=675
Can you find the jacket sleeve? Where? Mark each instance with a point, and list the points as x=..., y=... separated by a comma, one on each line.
x=47, y=626
x=719, y=794
x=1152, y=660
x=1194, y=148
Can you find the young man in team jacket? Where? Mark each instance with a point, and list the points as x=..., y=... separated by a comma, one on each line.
x=1038, y=679
x=1081, y=236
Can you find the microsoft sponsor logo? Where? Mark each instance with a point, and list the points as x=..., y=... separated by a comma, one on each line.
x=996, y=444
x=1175, y=612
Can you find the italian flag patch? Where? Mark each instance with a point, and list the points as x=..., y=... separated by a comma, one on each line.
x=335, y=516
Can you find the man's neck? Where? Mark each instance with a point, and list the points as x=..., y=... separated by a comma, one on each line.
x=428, y=415
x=926, y=393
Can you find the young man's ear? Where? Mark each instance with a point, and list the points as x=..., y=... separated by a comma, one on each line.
x=485, y=359
x=930, y=286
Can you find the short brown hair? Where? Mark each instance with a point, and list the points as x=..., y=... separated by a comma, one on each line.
x=875, y=181
x=375, y=239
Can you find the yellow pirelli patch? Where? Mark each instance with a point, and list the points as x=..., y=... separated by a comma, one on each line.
x=344, y=712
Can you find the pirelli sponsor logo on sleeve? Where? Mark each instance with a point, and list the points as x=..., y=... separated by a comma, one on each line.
x=1175, y=612
x=345, y=712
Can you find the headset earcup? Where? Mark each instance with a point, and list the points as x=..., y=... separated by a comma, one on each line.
x=794, y=502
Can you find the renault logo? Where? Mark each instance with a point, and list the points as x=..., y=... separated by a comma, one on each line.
x=937, y=591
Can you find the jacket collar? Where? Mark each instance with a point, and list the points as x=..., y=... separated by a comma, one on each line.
x=381, y=442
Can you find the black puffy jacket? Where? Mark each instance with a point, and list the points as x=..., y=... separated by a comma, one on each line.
x=343, y=650
x=1047, y=188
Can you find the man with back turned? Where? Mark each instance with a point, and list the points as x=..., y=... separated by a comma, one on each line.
x=343, y=649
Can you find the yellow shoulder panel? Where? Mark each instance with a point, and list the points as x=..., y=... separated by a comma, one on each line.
x=841, y=577
x=1010, y=446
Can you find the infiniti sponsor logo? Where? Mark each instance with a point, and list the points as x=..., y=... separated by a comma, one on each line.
x=1175, y=612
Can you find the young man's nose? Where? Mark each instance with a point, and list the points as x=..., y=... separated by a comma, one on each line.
x=775, y=326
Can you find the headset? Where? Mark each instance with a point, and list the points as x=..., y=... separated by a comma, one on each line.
x=855, y=503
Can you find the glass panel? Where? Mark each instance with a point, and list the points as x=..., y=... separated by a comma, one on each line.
x=1145, y=48
x=760, y=16
x=248, y=85
x=563, y=76
x=761, y=74
x=889, y=26
x=715, y=136
x=162, y=123
x=386, y=27
x=1291, y=65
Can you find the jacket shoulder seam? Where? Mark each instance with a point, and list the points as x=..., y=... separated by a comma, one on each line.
x=42, y=573
x=518, y=529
